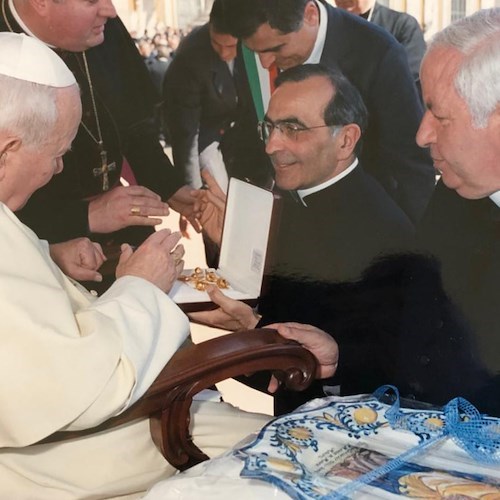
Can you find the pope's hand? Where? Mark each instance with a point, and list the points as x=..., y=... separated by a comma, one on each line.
x=158, y=260
x=125, y=206
x=79, y=258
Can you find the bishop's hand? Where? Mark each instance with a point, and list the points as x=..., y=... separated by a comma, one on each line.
x=125, y=206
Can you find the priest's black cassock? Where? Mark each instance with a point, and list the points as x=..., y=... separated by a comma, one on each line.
x=124, y=99
x=322, y=250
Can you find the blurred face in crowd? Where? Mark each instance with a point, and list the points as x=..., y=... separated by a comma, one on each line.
x=25, y=168
x=465, y=156
x=225, y=45
x=73, y=25
x=355, y=6
x=286, y=49
x=306, y=158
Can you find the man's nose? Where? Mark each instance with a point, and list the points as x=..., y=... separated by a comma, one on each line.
x=274, y=142
x=107, y=9
x=267, y=59
x=426, y=132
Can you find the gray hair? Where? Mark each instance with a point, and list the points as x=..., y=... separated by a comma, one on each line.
x=27, y=109
x=478, y=79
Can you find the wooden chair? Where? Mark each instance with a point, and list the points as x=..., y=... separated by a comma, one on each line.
x=197, y=367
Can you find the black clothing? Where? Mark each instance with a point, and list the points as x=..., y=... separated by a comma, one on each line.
x=406, y=31
x=125, y=99
x=450, y=344
x=321, y=252
x=377, y=66
x=204, y=103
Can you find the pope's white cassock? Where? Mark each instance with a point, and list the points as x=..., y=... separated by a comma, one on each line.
x=70, y=361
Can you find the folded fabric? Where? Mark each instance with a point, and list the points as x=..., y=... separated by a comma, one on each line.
x=332, y=447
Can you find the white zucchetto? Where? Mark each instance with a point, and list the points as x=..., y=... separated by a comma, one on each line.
x=26, y=58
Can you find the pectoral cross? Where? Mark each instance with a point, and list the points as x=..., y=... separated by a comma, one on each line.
x=104, y=169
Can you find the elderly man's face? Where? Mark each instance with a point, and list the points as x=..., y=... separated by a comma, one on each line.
x=286, y=50
x=309, y=158
x=466, y=157
x=76, y=25
x=30, y=168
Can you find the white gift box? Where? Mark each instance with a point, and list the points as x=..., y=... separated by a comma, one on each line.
x=244, y=248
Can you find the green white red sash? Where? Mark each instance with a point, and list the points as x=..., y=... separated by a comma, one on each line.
x=261, y=81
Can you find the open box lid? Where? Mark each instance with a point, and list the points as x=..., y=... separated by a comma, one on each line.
x=247, y=222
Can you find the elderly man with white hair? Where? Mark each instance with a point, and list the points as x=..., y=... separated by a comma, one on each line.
x=70, y=360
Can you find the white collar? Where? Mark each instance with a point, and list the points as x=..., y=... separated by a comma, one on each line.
x=302, y=193
x=319, y=44
x=21, y=23
x=495, y=198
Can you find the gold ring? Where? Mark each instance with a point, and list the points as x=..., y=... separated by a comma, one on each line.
x=135, y=211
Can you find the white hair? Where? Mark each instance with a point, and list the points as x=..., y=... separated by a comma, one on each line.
x=27, y=109
x=478, y=79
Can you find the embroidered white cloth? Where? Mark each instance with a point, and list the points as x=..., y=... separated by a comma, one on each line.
x=332, y=442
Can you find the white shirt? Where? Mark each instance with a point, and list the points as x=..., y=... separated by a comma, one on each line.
x=319, y=44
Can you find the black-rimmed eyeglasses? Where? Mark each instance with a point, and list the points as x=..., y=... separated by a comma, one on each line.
x=289, y=130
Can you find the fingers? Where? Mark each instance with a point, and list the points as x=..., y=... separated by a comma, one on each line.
x=126, y=253
x=141, y=191
x=212, y=185
x=99, y=252
x=177, y=255
x=183, y=226
x=144, y=221
x=217, y=297
x=125, y=206
x=274, y=385
x=196, y=224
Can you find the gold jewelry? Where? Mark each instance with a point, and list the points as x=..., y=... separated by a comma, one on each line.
x=135, y=211
x=200, y=279
x=104, y=169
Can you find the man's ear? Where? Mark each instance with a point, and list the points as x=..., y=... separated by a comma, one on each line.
x=8, y=144
x=348, y=137
x=311, y=14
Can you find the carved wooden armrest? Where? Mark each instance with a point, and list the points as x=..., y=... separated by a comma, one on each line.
x=199, y=367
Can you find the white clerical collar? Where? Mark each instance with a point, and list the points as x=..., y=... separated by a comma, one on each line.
x=495, y=198
x=302, y=193
x=319, y=44
x=21, y=23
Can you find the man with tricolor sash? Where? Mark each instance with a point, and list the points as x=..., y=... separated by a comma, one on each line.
x=284, y=34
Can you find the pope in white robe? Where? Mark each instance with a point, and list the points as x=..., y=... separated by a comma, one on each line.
x=70, y=360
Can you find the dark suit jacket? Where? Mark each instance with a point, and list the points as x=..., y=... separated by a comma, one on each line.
x=450, y=343
x=200, y=99
x=125, y=99
x=406, y=31
x=157, y=69
x=321, y=252
x=377, y=66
